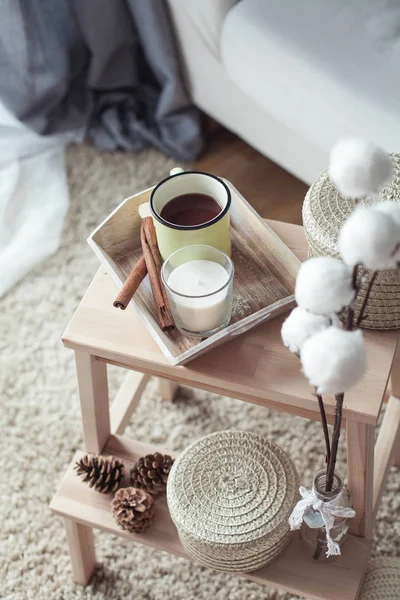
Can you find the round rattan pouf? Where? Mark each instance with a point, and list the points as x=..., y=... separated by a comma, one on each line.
x=230, y=495
x=324, y=212
x=382, y=580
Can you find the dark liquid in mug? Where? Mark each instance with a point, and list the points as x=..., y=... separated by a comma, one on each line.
x=190, y=209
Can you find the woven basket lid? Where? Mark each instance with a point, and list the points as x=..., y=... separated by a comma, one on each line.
x=324, y=212
x=382, y=580
x=230, y=495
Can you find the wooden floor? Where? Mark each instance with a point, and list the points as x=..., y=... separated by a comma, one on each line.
x=274, y=193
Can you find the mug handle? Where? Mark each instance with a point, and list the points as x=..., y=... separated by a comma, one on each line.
x=144, y=209
x=176, y=171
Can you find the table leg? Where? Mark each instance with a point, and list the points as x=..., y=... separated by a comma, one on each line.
x=93, y=393
x=167, y=389
x=127, y=400
x=360, y=475
x=395, y=391
x=81, y=550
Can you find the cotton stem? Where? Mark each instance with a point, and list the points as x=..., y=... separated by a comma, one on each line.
x=350, y=310
x=324, y=427
x=335, y=442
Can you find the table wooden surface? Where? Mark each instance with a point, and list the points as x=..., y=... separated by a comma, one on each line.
x=256, y=367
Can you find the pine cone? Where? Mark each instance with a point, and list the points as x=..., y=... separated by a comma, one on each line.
x=151, y=472
x=132, y=509
x=103, y=473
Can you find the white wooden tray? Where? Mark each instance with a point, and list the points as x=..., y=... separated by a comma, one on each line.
x=265, y=273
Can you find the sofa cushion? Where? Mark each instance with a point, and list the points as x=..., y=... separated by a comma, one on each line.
x=205, y=16
x=326, y=69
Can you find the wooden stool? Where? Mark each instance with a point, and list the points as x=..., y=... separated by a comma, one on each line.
x=255, y=368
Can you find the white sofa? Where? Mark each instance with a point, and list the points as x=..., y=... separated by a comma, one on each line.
x=291, y=77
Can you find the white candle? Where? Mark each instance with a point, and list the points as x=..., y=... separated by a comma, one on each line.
x=197, y=279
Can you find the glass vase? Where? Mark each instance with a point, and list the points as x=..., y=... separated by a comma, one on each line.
x=313, y=531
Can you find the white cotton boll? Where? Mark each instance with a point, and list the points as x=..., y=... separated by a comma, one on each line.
x=389, y=208
x=392, y=209
x=333, y=360
x=335, y=321
x=359, y=168
x=300, y=325
x=369, y=237
x=324, y=285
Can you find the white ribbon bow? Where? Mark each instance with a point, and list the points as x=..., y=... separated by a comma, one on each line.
x=327, y=511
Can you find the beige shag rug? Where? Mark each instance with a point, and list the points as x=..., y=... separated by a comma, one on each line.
x=41, y=429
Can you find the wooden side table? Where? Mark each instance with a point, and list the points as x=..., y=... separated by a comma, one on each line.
x=255, y=368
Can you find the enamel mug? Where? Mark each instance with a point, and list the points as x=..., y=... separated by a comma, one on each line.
x=216, y=232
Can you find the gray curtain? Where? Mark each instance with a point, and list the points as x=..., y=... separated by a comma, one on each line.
x=107, y=69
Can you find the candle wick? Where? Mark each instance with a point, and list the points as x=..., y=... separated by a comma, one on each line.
x=199, y=279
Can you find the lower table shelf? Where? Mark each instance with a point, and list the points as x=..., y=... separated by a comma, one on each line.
x=338, y=578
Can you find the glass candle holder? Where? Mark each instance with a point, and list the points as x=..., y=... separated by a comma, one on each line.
x=198, y=280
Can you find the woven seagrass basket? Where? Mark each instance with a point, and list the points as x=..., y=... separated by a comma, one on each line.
x=382, y=580
x=324, y=212
x=230, y=495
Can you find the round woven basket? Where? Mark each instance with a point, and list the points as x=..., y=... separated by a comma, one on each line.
x=324, y=212
x=230, y=495
x=382, y=580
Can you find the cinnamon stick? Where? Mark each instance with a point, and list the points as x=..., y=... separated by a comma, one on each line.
x=151, y=237
x=131, y=284
x=153, y=263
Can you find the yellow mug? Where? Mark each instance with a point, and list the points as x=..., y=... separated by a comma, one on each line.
x=216, y=232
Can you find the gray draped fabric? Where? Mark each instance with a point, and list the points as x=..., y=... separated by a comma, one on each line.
x=105, y=68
